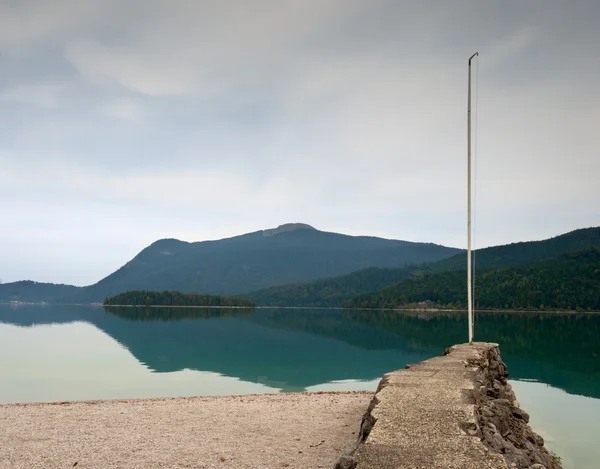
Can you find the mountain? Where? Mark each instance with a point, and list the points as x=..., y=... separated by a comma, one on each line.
x=337, y=290
x=36, y=292
x=569, y=282
x=291, y=253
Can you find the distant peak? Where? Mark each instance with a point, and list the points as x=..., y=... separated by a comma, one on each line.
x=288, y=227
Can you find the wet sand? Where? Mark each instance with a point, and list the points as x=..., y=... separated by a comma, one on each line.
x=293, y=430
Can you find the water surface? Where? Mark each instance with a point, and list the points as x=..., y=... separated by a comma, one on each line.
x=51, y=353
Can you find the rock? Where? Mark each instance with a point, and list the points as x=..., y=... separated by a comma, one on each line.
x=520, y=414
x=510, y=459
x=538, y=439
x=516, y=403
x=530, y=446
x=537, y=466
x=498, y=443
x=500, y=402
x=368, y=421
x=514, y=439
x=503, y=427
x=492, y=427
x=537, y=458
x=522, y=460
x=345, y=462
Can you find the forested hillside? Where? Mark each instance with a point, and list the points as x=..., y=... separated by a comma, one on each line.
x=570, y=282
x=330, y=291
x=524, y=252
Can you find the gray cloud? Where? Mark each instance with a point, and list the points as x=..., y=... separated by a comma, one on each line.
x=130, y=121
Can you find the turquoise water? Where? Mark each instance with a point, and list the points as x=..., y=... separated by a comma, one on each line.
x=50, y=353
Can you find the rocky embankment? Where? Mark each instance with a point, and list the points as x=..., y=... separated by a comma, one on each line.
x=454, y=411
x=501, y=423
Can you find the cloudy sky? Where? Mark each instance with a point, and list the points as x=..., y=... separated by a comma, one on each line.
x=123, y=122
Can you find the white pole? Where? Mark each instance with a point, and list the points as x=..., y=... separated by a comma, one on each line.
x=469, y=255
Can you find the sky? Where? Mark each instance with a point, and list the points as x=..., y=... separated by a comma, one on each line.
x=126, y=121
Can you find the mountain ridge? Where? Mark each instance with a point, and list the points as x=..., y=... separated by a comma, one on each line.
x=292, y=265
x=335, y=291
x=293, y=252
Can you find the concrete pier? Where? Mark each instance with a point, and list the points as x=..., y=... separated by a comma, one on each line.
x=454, y=411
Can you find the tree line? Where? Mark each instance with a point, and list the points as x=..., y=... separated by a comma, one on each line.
x=169, y=313
x=173, y=298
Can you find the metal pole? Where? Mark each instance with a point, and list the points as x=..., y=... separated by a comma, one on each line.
x=469, y=255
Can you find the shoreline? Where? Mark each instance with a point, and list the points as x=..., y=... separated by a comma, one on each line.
x=176, y=398
x=325, y=308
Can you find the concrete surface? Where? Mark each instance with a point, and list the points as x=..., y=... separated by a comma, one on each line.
x=422, y=416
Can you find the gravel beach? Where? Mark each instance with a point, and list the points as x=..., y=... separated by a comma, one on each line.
x=292, y=430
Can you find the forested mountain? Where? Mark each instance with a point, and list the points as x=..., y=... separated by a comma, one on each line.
x=336, y=291
x=258, y=260
x=524, y=252
x=291, y=253
x=294, y=265
x=173, y=298
x=36, y=292
x=569, y=282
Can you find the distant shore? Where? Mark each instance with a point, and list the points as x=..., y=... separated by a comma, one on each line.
x=173, y=306
x=401, y=310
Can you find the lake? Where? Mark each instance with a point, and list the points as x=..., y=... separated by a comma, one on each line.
x=52, y=353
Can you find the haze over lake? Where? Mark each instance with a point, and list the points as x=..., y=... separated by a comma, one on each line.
x=52, y=353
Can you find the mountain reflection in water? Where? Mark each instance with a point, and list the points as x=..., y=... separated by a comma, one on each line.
x=296, y=349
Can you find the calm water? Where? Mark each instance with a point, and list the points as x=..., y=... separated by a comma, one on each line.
x=52, y=353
